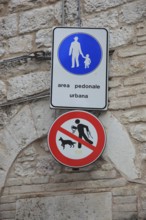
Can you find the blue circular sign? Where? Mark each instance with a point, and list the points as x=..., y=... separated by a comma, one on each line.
x=80, y=53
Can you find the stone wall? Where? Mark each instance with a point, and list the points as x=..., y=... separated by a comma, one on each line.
x=31, y=181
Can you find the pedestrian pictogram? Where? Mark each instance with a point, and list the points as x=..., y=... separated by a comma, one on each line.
x=79, y=53
x=79, y=68
x=76, y=139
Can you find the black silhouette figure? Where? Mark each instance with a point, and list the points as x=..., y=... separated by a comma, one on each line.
x=80, y=128
x=66, y=142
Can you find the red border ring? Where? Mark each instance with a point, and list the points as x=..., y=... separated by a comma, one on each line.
x=76, y=162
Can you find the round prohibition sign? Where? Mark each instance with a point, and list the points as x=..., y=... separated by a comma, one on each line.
x=79, y=150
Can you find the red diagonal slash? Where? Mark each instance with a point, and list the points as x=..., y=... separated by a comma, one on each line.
x=64, y=131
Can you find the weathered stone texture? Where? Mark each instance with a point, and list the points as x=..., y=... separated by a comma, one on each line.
x=36, y=19
x=94, y=206
x=119, y=141
x=125, y=215
x=132, y=91
x=7, y=215
x=104, y=19
x=44, y=38
x=124, y=199
x=58, y=12
x=139, y=132
x=96, y=6
x=42, y=116
x=132, y=51
x=135, y=80
x=136, y=115
x=127, y=67
x=22, y=127
x=133, y=12
x=53, y=187
x=8, y=26
x=71, y=10
x=22, y=5
x=3, y=90
x=141, y=28
x=28, y=84
x=125, y=191
x=8, y=207
x=121, y=36
x=20, y=44
x=127, y=102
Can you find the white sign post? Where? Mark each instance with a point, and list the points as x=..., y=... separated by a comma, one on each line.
x=79, y=68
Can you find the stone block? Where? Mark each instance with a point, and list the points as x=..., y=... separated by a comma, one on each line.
x=115, y=83
x=25, y=169
x=7, y=215
x=122, y=103
x=46, y=165
x=40, y=180
x=43, y=117
x=119, y=147
x=133, y=12
x=134, y=80
x=8, y=199
x=30, y=151
x=127, y=92
x=105, y=19
x=20, y=44
x=127, y=102
x=44, y=38
x=125, y=191
x=29, y=84
x=138, y=101
x=2, y=51
x=135, y=115
x=91, y=6
x=63, y=177
x=103, y=174
x=21, y=5
x=138, y=132
x=121, y=36
x=125, y=207
x=3, y=90
x=8, y=148
x=36, y=19
x=125, y=215
x=14, y=181
x=22, y=127
x=124, y=199
x=58, y=187
x=58, y=12
x=128, y=66
x=82, y=206
x=8, y=26
x=141, y=28
x=132, y=91
x=8, y=207
x=71, y=10
x=6, y=113
x=131, y=50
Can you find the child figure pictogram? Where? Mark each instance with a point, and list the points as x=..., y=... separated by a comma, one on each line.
x=87, y=61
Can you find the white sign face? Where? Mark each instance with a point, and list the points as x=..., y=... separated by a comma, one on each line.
x=79, y=68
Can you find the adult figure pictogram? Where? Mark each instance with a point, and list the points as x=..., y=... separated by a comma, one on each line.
x=74, y=51
x=81, y=128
